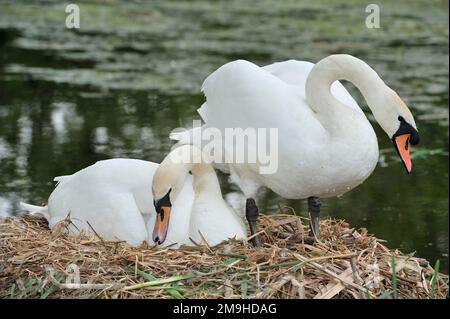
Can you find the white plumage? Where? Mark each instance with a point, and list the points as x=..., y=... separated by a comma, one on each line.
x=326, y=145
x=114, y=197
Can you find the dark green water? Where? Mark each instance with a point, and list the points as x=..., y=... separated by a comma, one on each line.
x=132, y=73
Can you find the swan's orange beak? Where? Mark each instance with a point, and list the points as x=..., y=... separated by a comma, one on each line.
x=161, y=225
x=402, y=145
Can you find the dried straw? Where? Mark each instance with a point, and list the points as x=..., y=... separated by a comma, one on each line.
x=345, y=263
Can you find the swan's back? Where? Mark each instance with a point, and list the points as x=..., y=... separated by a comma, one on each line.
x=240, y=90
x=118, y=172
x=112, y=195
x=100, y=182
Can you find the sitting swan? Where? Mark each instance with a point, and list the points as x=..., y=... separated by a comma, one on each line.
x=210, y=218
x=114, y=198
x=326, y=145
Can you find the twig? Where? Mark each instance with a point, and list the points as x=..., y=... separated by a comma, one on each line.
x=328, y=272
x=205, y=241
x=273, y=287
x=356, y=277
x=96, y=234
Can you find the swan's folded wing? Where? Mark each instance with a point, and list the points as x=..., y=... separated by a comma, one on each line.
x=241, y=94
x=292, y=72
x=60, y=179
x=296, y=72
x=35, y=210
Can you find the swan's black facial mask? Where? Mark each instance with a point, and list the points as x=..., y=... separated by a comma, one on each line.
x=405, y=135
x=163, y=207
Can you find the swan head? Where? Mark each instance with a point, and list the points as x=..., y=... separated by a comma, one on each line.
x=168, y=182
x=398, y=122
x=163, y=207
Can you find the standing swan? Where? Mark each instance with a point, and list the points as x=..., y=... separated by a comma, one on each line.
x=326, y=145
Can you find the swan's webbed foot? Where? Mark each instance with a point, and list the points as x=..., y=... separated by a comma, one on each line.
x=251, y=213
x=314, y=212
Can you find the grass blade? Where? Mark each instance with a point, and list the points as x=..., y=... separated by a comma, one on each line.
x=244, y=288
x=367, y=293
x=435, y=277
x=231, y=261
x=394, y=279
x=52, y=288
x=152, y=281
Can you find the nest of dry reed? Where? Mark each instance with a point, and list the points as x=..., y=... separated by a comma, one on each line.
x=345, y=263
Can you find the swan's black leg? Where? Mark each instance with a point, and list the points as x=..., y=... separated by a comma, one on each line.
x=251, y=213
x=314, y=212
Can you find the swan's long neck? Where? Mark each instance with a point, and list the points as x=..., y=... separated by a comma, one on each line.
x=206, y=182
x=341, y=67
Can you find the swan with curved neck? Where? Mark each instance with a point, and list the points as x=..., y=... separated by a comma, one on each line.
x=113, y=197
x=210, y=218
x=326, y=145
x=384, y=103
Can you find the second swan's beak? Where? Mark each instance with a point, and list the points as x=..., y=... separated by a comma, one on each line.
x=161, y=225
x=402, y=145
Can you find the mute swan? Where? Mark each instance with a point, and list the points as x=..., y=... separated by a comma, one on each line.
x=114, y=198
x=209, y=217
x=326, y=145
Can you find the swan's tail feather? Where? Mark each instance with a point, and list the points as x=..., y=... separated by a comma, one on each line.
x=60, y=179
x=186, y=136
x=35, y=210
x=178, y=136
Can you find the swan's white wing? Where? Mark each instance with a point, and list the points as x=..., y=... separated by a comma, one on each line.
x=60, y=179
x=35, y=210
x=248, y=86
x=236, y=91
x=241, y=94
x=296, y=72
x=112, y=195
